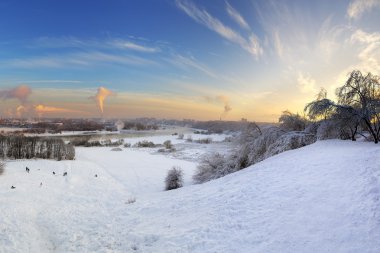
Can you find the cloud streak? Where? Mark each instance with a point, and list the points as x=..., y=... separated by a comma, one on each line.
x=251, y=44
x=77, y=60
x=236, y=16
x=135, y=47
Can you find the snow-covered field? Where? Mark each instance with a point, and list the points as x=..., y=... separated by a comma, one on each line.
x=321, y=198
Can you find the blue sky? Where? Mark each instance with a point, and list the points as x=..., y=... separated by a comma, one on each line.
x=182, y=58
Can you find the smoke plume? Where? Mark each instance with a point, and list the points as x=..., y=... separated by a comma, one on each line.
x=221, y=99
x=21, y=93
x=101, y=96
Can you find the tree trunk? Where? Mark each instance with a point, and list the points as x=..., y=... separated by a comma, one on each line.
x=371, y=131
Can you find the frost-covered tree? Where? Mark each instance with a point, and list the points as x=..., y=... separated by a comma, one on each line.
x=174, y=179
x=358, y=104
x=292, y=122
x=361, y=95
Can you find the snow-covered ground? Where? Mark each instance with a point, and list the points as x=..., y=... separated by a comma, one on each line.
x=321, y=198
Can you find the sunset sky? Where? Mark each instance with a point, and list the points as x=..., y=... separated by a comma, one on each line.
x=180, y=59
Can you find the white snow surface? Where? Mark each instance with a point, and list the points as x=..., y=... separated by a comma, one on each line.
x=321, y=198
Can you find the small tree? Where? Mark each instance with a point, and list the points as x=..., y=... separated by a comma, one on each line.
x=174, y=179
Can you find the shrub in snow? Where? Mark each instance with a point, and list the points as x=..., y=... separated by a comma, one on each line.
x=181, y=136
x=256, y=147
x=116, y=149
x=145, y=144
x=131, y=200
x=2, y=167
x=212, y=167
x=204, y=141
x=328, y=130
x=168, y=144
x=127, y=145
x=174, y=179
x=289, y=141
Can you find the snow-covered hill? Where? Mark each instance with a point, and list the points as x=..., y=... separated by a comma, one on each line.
x=321, y=198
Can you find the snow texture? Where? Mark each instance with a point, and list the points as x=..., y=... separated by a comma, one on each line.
x=324, y=197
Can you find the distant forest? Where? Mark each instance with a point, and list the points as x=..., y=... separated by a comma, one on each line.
x=22, y=147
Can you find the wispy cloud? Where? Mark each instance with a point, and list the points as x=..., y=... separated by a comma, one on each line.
x=236, y=16
x=251, y=44
x=134, y=46
x=109, y=43
x=51, y=81
x=358, y=7
x=77, y=60
x=190, y=62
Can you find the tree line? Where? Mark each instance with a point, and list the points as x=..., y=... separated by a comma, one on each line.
x=23, y=147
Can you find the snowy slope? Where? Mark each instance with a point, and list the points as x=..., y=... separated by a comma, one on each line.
x=321, y=198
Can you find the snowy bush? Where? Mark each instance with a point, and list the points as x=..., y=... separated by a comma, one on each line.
x=145, y=144
x=131, y=200
x=212, y=167
x=127, y=145
x=204, y=141
x=255, y=147
x=181, y=136
x=168, y=144
x=116, y=149
x=328, y=130
x=174, y=179
x=2, y=167
x=290, y=141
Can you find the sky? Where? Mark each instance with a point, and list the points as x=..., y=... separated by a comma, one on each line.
x=181, y=59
